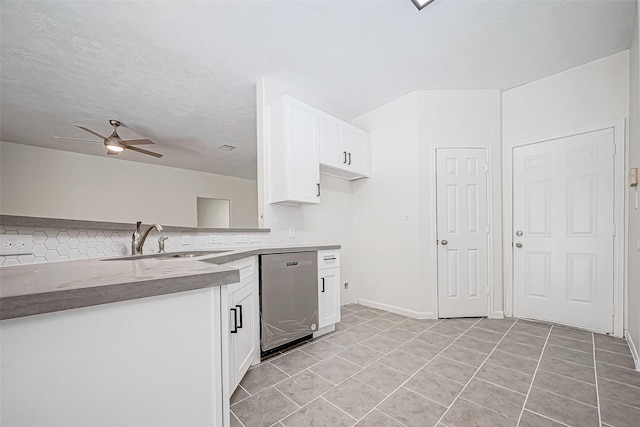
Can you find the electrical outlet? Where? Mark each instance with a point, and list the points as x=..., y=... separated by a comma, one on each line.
x=292, y=232
x=16, y=244
x=214, y=239
x=346, y=286
x=241, y=238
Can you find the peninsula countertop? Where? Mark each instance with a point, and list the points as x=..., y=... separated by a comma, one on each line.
x=27, y=290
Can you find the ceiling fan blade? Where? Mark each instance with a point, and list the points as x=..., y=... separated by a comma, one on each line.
x=140, y=150
x=90, y=131
x=76, y=139
x=141, y=141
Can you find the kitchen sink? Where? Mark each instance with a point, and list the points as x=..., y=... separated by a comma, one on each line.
x=173, y=255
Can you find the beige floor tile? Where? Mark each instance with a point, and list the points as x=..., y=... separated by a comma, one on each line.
x=513, y=361
x=402, y=361
x=562, y=409
x=435, y=387
x=238, y=395
x=411, y=409
x=294, y=362
x=321, y=349
x=360, y=355
x=560, y=341
x=568, y=369
x=522, y=350
x=617, y=359
x=484, y=334
x=475, y=344
x=496, y=325
x=531, y=328
x=381, y=343
x=378, y=419
x=264, y=408
x=380, y=323
x=569, y=355
x=525, y=339
x=382, y=377
x=498, y=399
x=344, y=339
x=564, y=386
x=464, y=355
x=513, y=380
x=420, y=349
x=620, y=393
x=449, y=331
x=450, y=369
x=615, y=373
x=531, y=419
x=319, y=413
x=435, y=339
x=466, y=414
x=335, y=369
x=262, y=377
x=618, y=415
x=604, y=343
x=302, y=388
x=572, y=333
x=355, y=397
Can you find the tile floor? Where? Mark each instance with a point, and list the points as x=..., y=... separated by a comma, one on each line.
x=382, y=369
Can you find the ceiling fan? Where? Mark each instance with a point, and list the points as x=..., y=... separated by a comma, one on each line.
x=114, y=143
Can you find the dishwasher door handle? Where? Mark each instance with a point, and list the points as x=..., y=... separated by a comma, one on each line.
x=292, y=264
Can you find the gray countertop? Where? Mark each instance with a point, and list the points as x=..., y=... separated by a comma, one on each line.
x=43, y=288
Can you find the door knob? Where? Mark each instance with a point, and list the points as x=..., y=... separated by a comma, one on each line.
x=518, y=245
x=444, y=242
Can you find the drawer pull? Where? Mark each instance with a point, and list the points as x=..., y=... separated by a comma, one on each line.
x=329, y=258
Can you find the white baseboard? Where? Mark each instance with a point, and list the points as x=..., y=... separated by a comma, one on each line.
x=634, y=352
x=398, y=310
x=497, y=314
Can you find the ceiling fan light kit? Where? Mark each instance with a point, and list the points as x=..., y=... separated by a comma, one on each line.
x=421, y=4
x=114, y=144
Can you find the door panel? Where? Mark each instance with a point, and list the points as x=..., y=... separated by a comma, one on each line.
x=461, y=197
x=563, y=206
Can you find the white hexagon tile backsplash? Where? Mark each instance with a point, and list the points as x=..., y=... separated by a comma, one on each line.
x=58, y=244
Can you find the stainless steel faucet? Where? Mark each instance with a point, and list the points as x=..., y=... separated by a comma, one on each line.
x=136, y=241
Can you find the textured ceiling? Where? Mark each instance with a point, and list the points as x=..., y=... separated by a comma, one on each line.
x=184, y=73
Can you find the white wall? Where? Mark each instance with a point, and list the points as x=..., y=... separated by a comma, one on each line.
x=583, y=98
x=397, y=255
x=633, y=237
x=386, y=245
x=42, y=182
x=459, y=119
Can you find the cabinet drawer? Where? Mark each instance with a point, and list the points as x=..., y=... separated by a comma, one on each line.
x=328, y=259
x=248, y=268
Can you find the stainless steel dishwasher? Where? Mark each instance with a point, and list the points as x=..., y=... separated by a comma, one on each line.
x=288, y=298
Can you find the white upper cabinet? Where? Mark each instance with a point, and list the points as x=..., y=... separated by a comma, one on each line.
x=294, y=175
x=344, y=149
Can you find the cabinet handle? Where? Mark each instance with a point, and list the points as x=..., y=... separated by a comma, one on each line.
x=329, y=258
x=349, y=159
x=235, y=321
x=239, y=307
x=322, y=284
x=345, y=157
x=318, y=184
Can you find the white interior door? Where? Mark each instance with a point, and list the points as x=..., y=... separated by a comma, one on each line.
x=563, y=218
x=461, y=208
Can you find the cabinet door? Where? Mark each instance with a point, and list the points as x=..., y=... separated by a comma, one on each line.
x=356, y=144
x=330, y=142
x=245, y=332
x=303, y=177
x=328, y=297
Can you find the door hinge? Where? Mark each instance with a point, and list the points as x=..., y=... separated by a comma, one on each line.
x=487, y=228
x=615, y=148
x=486, y=167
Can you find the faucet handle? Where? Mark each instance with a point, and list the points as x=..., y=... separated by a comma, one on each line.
x=161, y=241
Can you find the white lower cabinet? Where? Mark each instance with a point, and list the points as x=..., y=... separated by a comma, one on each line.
x=328, y=297
x=244, y=323
x=328, y=289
